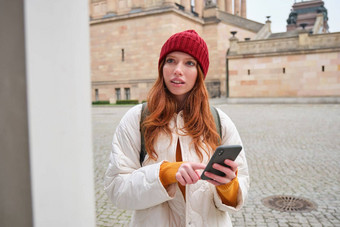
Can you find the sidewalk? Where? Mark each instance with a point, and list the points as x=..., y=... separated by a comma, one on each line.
x=279, y=100
x=292, y=150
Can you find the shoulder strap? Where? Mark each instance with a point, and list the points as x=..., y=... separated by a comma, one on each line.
x=217, y=120
x=144, y=114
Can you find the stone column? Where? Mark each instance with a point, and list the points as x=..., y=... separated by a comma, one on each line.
x=229, y=6
x=199, y=6
x=244, y=8
x=122, y=7
x=186, y=4
x=46, y=161
x=221, y=5
x=138, y=4
x=237, y=7
x=111, y=6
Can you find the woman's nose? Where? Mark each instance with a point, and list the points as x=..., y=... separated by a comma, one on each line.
x=178, y=70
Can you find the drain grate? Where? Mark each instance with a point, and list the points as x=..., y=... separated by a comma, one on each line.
x=289, y=203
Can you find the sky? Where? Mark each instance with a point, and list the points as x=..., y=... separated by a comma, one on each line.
x=279, y=10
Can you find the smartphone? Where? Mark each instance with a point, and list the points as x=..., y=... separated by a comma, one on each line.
x=222, y=152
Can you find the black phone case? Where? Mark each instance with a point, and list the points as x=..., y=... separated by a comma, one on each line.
x=222, y=152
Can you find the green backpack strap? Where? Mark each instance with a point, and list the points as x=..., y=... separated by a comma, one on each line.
x=217, y=120
x=145, y=112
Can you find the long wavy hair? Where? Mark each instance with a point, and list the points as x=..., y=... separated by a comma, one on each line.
x=198, y=120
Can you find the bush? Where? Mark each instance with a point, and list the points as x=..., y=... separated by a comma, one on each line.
x=100, y=102
x=124, y=102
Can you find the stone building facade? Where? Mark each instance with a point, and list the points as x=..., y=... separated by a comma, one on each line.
x=296, y=63
x=246, y=58
x=126, y=38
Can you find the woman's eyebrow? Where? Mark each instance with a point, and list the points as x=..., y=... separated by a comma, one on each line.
x=193, y=59
x=185, y=58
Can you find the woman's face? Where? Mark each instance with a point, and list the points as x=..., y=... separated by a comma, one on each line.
x=180, y=73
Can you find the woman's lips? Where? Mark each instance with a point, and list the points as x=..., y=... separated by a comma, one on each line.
x=177, y=81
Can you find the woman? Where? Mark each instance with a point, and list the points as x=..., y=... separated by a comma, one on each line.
x=180, y=136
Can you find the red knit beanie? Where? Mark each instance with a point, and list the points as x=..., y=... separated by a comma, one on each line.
x=191, y=43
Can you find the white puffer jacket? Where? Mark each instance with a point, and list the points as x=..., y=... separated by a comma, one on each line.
x=132, y=187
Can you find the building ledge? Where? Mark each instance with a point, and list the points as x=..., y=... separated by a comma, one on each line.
x=280, y=53
x=149, y=12
x=301, y=44
x=239, y=21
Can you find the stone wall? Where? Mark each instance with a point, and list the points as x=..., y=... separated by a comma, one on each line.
x=305, y=65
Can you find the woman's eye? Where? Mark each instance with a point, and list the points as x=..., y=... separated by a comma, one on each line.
x=169, y=60
x=191, y=63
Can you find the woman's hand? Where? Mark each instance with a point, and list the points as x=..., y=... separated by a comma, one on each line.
x=230, y=173
x=188, y=173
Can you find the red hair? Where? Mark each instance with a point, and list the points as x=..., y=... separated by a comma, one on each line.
x=198, y=120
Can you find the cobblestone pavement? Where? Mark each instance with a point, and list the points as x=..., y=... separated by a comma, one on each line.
x=292, y=149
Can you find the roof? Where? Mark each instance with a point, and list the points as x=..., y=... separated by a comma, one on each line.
x=239, y=21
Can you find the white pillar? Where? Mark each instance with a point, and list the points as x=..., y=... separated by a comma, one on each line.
x=59, y=112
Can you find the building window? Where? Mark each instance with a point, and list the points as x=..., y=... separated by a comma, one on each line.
x=127, y=93
x=96, y=91
x=323, y=68
x=248, y=71
x=284, y=70
x=117, y=93
x=123, y=54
